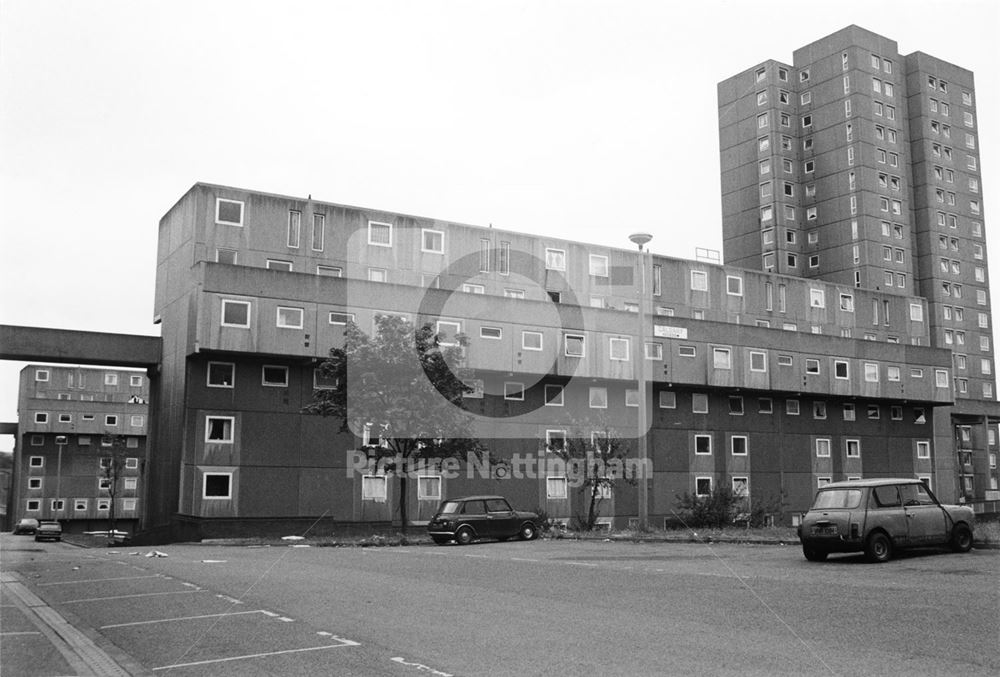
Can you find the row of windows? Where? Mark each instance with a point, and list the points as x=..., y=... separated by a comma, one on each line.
x=103, y=483
x=78, y=379
x=131, y=463
x=110, y=420
x=80, y=505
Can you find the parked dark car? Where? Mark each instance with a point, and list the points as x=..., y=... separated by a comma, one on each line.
x=48, y=531
x=466, y=519
x=26, y=525
x=877, y=516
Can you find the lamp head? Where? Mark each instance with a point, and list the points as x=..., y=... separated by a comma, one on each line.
x=640, y=239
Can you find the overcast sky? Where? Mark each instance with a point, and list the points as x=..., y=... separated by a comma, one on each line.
x=584, y=120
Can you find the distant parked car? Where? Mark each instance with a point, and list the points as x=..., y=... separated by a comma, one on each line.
x=466, y=519
x=26, y=525
x=877, y=516
x=48, y=531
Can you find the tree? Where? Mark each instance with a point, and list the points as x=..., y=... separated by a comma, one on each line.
x=111, y=471
x=401, y=392
x=598, y=461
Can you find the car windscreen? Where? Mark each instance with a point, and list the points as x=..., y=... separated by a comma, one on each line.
x=450, y=507
x=837, y=498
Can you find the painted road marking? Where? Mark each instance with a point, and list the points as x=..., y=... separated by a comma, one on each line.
x=99, y=580
x=231, y=600
x=343, y=643
x=420, y=667
x=186, y=618
x=25, y=632
x=145, y=594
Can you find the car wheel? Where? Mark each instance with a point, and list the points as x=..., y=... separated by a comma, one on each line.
x=961, y=538
x=878, y=548
x=464, y=536
x=814, y=554
x=528, y=532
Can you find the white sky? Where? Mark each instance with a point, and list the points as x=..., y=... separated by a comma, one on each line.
x=576, y=119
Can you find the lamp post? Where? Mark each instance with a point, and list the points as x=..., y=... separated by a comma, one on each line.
x=641, y=240
x=61, y=441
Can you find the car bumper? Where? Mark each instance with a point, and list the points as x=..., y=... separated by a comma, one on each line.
x=831, y=543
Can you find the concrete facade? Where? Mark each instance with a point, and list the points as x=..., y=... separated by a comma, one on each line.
x=64, y=414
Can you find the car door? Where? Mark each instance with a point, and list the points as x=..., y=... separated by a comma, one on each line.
x=925, y=519
x=501, y=517
x=886, y=512
x=474, y=514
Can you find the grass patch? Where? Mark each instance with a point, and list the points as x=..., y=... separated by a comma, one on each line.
x=988, y=532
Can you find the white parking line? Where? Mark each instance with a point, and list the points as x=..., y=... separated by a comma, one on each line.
x=26, y=632
x=98, y=580
x=421, y=667
x=185, y=618
x=145, y=594
x=343, y=643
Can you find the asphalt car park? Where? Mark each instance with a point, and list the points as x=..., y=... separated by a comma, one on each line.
x=521, y=607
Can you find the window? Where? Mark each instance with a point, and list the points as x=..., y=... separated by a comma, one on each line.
x=699, y=403
x=432, y=241
x=735, y=405
x=758, y=361
x=294, y=228
x=329, y=271
x=228, y=212
x=36, y=462
x=273, y=375
x=762, y=121
x=822, y=448
x=378, y=275
x=574, y=345
x=553, y=395
x=722, y=358
x=219, y=429
x=429, y=487
x=807, y=121
x=531, y=340
x=469, y=288
x=41, y=375
x=668, y=399
x=699, y=280
x=556, y=487
x=340, y=318
x=513, y=391
x=379, y=234
x=874, y=412
x=598, y=265
x=111, y=420
x=618, y=348
x=41, y=417
x=854, y=448
x=792, y=407
x=654, y=351
x=598, y=398
x=493, y=333
x=217, y=485
x=555, y=259
x=503, y=258
x=132, y=463
x=447, y=332
x=703, y=445
x=631, y=397
x=703, y=486
x=235, y=313
x=136, y=421
x=289, y=318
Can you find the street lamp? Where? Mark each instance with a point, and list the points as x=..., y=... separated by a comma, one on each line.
x=641, y=240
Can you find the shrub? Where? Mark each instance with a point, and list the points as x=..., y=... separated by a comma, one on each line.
x=722, y=508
